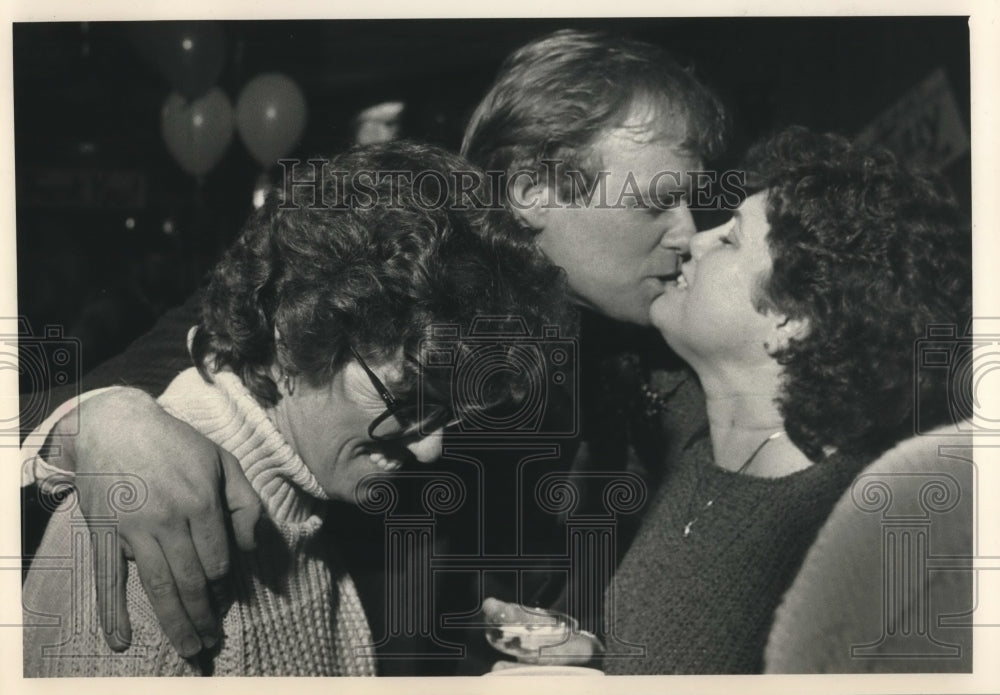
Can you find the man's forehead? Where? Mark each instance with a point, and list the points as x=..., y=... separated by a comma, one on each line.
x=661, y=164
x=650, y=119
x=646, y=136
x=645, y=139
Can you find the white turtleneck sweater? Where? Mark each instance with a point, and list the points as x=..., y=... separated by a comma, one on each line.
x=295, y=610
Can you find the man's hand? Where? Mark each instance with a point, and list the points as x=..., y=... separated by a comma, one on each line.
x=178, y=533
x=537, y=635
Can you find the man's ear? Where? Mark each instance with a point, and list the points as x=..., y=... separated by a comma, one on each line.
x=530, y=202
x=784, y=329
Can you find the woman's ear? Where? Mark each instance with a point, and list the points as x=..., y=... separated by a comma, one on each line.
x=784, y=329
x=280, y=350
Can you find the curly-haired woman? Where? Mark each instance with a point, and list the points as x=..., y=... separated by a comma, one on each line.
x=314, y=331
x=799, y=318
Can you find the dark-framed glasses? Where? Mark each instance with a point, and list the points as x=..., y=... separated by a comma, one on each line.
x=403, y=420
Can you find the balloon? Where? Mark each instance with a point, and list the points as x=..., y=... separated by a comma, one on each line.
x=270, y=116
x=197, y=133
x=190, y=55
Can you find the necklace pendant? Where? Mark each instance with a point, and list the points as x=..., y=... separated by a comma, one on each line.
x=687, y=528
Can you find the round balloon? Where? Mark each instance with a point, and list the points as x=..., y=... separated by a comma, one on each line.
x=190, y=55
x=198, y=132
x=270, y=116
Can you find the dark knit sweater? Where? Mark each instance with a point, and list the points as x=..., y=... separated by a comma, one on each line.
x=704, y=604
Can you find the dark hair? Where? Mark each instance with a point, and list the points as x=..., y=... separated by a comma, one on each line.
x=871, y=254
x=555, y=95
x=375, y=267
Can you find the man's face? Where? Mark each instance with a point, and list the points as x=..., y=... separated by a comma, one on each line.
x=618, y=257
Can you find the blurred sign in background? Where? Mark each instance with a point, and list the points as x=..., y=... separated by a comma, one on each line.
x=925, y=127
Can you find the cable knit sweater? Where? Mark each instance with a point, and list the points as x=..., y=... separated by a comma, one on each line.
x=295, y=611
x=704, y=603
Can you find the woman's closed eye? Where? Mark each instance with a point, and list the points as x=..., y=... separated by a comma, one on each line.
x=728, y=236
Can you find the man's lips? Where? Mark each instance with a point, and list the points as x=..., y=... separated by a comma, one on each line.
x=676, y=282
x=671, y=272
x=666, y=278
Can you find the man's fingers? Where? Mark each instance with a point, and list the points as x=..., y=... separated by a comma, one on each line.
x=211, y=542
x=241, y=500
x=501, y=612
x=192, y=586
x=222, y=595
x=493, y=610
x=110, y=574
x=159, y=584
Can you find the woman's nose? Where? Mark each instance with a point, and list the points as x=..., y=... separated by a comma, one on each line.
x=429, y=448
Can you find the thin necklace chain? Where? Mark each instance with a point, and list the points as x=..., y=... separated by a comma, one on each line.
x=742, y=469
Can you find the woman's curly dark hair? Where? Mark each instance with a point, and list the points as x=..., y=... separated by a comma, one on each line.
x=871, y=254
x=392, y=245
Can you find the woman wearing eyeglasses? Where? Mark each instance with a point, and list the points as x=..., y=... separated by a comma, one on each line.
x=314, y=331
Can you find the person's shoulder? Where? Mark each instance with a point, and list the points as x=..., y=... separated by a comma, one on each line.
x=191, y=391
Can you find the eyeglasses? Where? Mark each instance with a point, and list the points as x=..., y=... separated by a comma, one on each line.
x=403, y=420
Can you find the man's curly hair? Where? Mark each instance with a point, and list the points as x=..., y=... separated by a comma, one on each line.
x=871, y=254
x=375, y=263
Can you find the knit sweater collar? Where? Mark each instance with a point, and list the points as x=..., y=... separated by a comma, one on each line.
x=228, y=414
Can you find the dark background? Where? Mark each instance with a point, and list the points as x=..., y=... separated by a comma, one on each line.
x=86, y=101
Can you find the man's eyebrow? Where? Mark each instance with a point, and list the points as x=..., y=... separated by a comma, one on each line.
x=670, y=186
x=677, y=180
